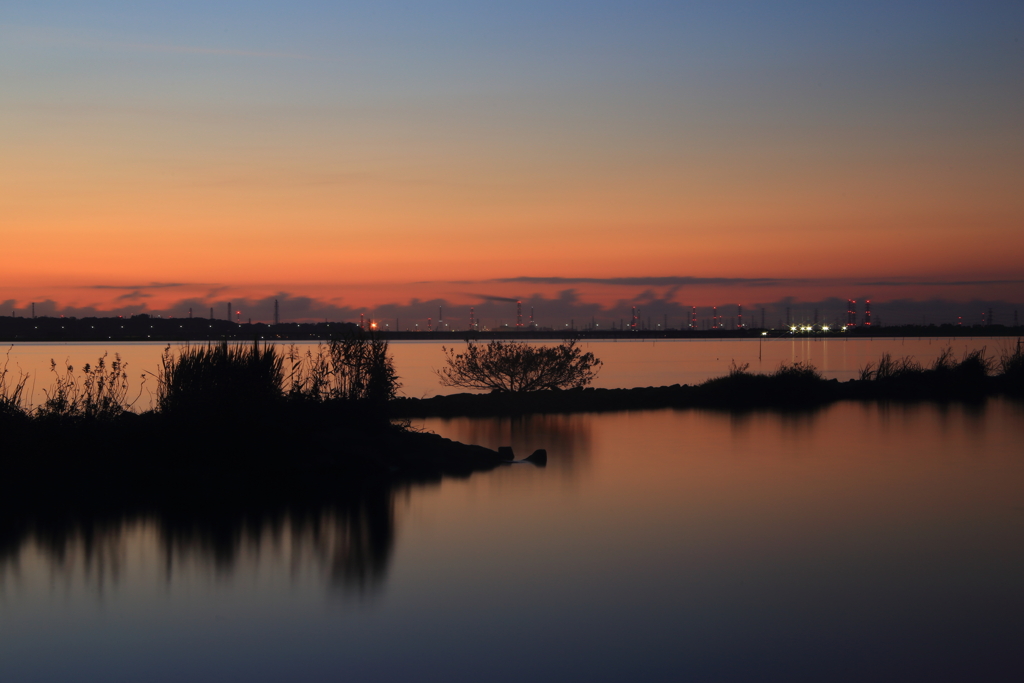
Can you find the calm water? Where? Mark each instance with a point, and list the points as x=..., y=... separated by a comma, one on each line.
x=626, y=363
x=859, y=542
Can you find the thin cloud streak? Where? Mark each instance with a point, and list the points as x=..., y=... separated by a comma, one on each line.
x=151, y=285
x=667, y=281
x=951, y=283
x=689, y=281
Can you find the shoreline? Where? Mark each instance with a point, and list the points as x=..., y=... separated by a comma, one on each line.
x=145, y=328
x=725, y=393
x=221, y=436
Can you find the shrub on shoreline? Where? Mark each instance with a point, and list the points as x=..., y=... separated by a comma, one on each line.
x=354, y=381
x=517, y=367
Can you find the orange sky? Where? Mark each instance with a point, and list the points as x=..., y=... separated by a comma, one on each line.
x=133, y=158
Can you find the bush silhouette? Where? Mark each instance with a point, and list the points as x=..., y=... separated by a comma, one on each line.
x=517, y=367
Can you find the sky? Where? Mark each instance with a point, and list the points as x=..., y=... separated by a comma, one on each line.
x=393, y=157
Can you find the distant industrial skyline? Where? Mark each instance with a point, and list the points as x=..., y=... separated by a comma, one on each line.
x=645, y=312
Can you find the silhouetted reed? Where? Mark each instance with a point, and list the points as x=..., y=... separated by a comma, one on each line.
x=354, y=369
x=219, y=378
x=216, y=378
x=946, y=378
x=12, y=391
x=889, y=368
x=789, y=384
x=101, y=392
x=1011, y=368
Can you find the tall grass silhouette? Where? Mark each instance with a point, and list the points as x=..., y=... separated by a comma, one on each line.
x=355, y=369
x=12, y=391
x=100, y=392
x=215, y=379
x=218, y=378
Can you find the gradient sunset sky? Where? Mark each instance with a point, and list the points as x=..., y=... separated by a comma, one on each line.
x=403, y=155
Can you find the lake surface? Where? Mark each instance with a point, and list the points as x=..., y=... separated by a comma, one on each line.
x=626, y=363
x=879, y=542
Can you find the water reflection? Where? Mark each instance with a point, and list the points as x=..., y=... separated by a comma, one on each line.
x=347, y=540
x=567, y=438
x=793, y=421
x=864, y=541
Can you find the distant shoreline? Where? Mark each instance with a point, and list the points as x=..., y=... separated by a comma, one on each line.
x=294, y=449
x=144, y=328
x=793, y=389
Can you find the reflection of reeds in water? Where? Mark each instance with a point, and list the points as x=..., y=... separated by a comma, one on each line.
x=90, y=552
x=347, y=540
x=566, y=438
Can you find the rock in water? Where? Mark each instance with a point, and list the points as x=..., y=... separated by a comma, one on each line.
x=539, y=457
x=506, y=454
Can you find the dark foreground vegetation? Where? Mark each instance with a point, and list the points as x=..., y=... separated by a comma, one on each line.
x=244, y=441
x=244, y=421
x=969, y=378
x=254, y=422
